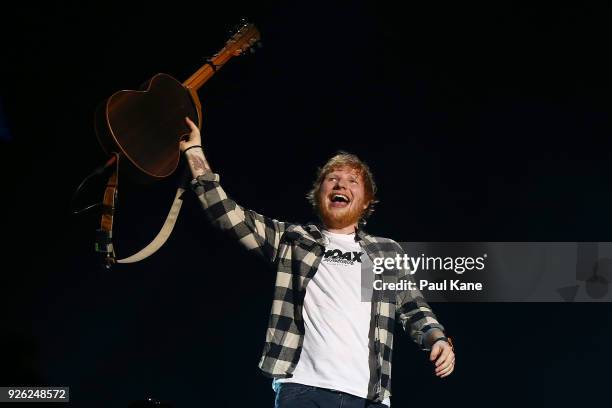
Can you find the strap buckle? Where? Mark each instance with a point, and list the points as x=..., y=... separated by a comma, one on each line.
x=104, y=247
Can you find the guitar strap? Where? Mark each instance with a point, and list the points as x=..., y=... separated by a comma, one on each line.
x=104, y=235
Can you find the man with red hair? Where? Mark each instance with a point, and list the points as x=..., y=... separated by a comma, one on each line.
x=326, y=346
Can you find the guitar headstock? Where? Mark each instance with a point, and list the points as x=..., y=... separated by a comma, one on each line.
x=244, y=39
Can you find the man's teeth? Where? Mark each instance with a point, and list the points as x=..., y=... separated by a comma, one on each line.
x=340, y=197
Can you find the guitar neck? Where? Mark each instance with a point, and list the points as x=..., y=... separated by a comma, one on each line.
x=237, y=45
x=203, y=74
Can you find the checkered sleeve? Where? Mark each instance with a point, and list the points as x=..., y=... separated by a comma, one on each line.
x=254, y=231
x=414, y=314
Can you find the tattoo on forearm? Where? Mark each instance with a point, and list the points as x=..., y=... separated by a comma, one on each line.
x=197, y=162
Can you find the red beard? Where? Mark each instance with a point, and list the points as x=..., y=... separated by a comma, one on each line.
x=339, y=218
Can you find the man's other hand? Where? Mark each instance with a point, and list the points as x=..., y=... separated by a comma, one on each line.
x=443, y=356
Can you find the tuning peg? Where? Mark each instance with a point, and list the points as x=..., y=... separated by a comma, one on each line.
x=237, y=27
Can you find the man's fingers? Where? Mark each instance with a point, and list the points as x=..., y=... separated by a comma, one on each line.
x=445, y=365
x=192, y=125
x=442, y=364
x=446, y=371
x=444, y=356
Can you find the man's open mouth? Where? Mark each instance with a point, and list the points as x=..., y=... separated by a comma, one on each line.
x=339, y=200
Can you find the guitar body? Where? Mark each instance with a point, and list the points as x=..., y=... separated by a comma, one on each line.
x=146, y=126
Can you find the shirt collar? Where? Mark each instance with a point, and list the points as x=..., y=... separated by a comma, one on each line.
x=315, y=231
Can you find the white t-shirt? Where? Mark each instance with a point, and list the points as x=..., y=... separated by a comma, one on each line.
x=336, y=352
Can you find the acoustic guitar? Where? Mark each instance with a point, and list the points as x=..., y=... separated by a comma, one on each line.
x=142, y=131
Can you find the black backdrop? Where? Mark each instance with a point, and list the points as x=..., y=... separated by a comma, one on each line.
x=481, y=123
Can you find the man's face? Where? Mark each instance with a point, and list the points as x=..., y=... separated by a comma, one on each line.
x=342, y=198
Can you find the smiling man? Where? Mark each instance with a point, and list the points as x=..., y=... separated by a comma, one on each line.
x=325, y=346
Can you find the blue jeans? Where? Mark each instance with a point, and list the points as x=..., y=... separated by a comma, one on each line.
x=292, y=395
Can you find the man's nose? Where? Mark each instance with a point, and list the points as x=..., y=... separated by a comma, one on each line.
x=340, y=184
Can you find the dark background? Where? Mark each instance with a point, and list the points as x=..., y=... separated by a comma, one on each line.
x=481, y=123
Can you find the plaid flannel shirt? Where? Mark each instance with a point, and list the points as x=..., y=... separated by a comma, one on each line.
x=295, y=251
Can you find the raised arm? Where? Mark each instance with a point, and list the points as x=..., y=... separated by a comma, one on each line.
x=254, y=231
